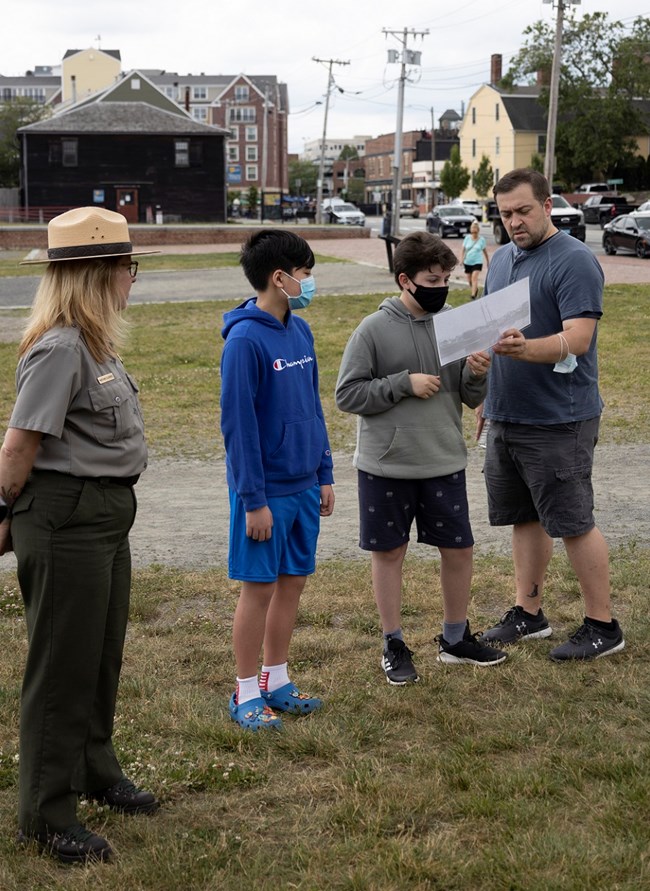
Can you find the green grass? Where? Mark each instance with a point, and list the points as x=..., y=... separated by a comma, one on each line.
x=529, y=776
x=10, y=265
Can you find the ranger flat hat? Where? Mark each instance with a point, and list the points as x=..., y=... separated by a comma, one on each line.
x=87, y=233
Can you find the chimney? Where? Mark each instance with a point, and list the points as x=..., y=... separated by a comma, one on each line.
x=73, y=81
x=496, y=62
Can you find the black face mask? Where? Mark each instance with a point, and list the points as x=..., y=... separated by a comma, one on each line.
x=430, y=299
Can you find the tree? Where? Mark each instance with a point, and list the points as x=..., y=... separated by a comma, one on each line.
x=604, y=69
x=483, y=179
x=303, y=176
x=348, y=153
x=14, y=114
x=454, y=178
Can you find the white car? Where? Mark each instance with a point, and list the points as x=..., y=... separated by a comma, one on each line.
x=643, y=208
x=346, y=213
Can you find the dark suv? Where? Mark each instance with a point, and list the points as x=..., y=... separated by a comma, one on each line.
x=603, y=208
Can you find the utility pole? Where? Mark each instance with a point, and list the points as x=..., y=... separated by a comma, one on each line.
x=551, y=127
x=321, y=165
x=265, y=152
x=433, y=159
x=408, y=57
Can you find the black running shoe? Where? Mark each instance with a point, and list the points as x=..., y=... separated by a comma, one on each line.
x=470, y=651
x=76, y=844
x=397, y=663
x=515, y=624
x=590, y=642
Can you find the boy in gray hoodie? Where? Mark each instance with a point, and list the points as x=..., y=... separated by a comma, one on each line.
x=411, y=454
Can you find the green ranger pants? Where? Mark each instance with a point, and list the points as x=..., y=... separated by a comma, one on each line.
x=74, y=569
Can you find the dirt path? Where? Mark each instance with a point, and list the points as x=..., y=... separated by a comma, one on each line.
x=183, y=509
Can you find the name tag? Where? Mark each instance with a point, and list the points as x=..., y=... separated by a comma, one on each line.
x=105, y=378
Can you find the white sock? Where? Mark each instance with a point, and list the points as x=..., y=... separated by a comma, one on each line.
x=273, y=677
x=247, y=689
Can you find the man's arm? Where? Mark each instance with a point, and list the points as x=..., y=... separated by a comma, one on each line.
x=575, y=338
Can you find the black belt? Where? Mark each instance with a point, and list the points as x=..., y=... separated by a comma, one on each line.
x=111, y=480
x=127, y=481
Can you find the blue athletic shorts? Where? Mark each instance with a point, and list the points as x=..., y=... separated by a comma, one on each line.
x=387, y=508
x=542, y=473
x=291, y=550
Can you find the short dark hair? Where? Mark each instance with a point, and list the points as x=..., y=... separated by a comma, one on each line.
x=419, y=251
x=524, y=176
x=272, y=249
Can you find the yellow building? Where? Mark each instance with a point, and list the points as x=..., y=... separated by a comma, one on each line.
x=508, y=126
x=84, y=72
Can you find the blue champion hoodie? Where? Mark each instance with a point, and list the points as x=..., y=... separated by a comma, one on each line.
x=271, y=416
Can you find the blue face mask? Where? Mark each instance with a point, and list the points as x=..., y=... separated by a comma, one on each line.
x=307, y=291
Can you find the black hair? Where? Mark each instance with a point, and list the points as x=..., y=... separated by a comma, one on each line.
x=419, y=251
x=272, y=249
x=524, y=176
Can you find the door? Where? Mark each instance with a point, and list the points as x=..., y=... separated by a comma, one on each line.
x=127, y=203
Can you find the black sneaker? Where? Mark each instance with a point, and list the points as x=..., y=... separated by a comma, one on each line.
x=470, y=650
x=397, y=663
x=590, y=642
x=76, y=844
x=125, y=798
x=515, y=624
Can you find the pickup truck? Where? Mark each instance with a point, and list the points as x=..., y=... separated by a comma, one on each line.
x=602, y=208
x=565, y=217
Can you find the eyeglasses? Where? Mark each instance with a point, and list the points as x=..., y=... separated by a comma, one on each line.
x=133, y=268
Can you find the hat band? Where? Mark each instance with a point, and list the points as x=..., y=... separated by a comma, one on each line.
x=89, y=250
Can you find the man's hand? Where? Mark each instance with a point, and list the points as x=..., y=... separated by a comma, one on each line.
x=424, y=385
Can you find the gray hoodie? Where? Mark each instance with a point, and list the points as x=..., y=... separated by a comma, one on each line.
x=399, y=435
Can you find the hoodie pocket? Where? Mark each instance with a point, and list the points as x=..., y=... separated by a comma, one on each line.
x=422, y=446
x=301, y=450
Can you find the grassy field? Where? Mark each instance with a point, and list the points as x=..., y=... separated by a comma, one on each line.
x=529, y=776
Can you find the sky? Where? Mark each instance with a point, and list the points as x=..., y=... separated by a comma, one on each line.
x=283, y=37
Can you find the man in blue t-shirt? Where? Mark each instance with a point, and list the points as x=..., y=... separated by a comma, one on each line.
x=543, y=407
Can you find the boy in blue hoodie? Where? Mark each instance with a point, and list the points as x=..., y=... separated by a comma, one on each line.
x=278, y=469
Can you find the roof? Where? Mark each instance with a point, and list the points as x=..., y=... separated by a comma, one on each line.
x=119, y=118
x=525, y=112
x=73, y=52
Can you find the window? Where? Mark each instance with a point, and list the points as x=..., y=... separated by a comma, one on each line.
x=241, y=93
x=473, y=115
x=473, y=148
x=172, y=93
x=541, y=143
x=251, y=134
x=497, y=145
x=233, y=153
x=181, y=153
x=199, y=92
x=251, y=171
x=135, y=83
x=200, y=113
x=243, y=115
x=496, y=112
x=251, y=153
x=69, y=153
x=54, y=153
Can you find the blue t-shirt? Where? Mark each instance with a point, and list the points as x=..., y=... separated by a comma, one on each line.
x=473, y=250
x=566, y=282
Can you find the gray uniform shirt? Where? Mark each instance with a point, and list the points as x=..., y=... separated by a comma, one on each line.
x=87, y=411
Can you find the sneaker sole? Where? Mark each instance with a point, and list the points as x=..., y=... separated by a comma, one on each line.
x=532, y=635
x=449, y=659
x=617, y=649
x=404, y=683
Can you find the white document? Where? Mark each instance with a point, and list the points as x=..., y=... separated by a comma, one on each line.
x=478, y=325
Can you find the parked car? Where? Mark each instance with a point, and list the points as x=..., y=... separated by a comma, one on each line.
x=603, y=208
x=409, y=209
x=346, y=213
x=644, y=208
x=568, y=219
x=629, y=232
x=474, y=208
x=593, y=187
x=449, y=219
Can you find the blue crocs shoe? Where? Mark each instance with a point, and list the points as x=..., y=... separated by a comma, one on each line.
x=290, y=699
x=254, y=715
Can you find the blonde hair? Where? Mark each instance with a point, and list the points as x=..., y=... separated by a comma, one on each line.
x=81, y=293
